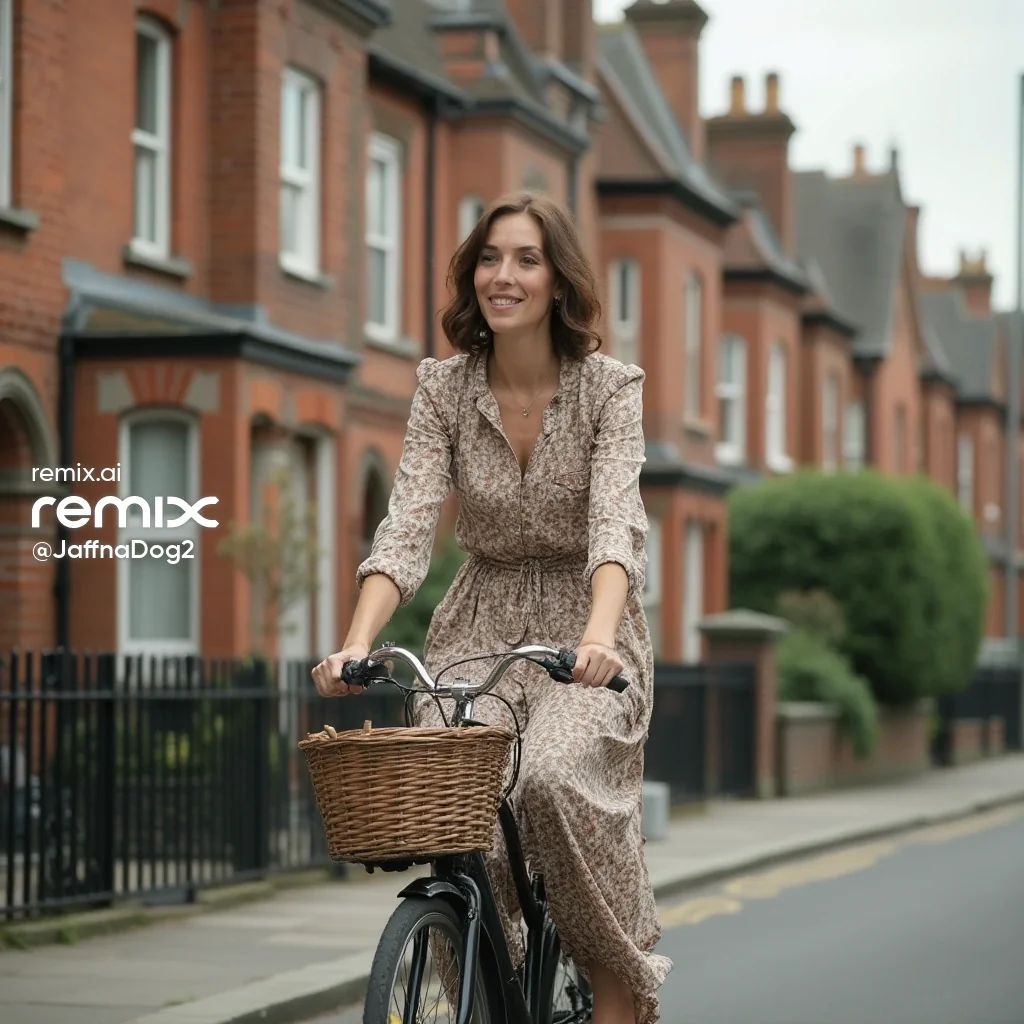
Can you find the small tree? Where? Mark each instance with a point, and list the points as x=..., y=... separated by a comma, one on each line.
x=278, y=555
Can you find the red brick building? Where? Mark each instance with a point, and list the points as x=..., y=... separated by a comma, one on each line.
x=224, y=231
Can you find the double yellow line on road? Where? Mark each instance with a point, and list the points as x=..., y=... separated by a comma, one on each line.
x=774, y=881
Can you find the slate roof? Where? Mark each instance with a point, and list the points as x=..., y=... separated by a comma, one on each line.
x=410, y=46
x=621, y=58
x=969, y=342
x=853, y=230
x=753, y=243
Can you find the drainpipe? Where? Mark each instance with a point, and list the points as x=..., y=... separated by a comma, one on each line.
x=430, y=226
x=574, y=183
x=65, y=415
x=868, y=369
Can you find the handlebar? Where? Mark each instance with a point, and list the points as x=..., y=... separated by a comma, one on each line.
x=558, y=663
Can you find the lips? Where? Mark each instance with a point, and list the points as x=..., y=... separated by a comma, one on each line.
x=504, y=302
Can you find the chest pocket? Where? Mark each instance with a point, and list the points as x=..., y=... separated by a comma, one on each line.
x=577, y=481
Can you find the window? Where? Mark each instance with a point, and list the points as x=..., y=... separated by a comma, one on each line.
x=471, y=209
x=830, y=423
x=853, y=436
x=624, y=299
x=152, y=139
x=965, y=472
x=694, y=322
x=383, y=239
x=732, y=399
x=6, y=100
x=775, y=412
x=652, y=584
x=300, y=174
x=693, y=595
x=158, y=597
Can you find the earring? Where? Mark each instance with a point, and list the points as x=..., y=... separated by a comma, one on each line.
x=558, y=301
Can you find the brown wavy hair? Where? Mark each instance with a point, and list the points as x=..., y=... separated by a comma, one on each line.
x=573, y=319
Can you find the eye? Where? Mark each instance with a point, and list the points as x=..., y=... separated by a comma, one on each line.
x=530, y=259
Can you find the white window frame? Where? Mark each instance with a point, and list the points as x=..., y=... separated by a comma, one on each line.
x=624, y=279
x=157, y=143
x=326, y=517
x=386, y=151
x=652, y=594
x=853, y=436
x=6, y=101
x=732, y=396
x=189, y=531
x=471, y=209
x=775, y=411
x=304, y=259
x=693, y=319
x=831, y=400
x=965, y=471
x=693, y=592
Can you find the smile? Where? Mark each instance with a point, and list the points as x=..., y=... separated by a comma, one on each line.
x=504, y=303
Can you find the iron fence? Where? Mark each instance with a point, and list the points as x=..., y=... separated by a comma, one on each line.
x=703, y=727
x=995, y=692
x=149, y=779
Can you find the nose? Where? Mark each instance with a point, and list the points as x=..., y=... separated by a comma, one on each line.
x=504, y=275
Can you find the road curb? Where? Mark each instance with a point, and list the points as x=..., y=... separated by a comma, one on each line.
x=295, y=996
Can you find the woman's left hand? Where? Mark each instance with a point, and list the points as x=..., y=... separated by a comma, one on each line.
x=596, y=664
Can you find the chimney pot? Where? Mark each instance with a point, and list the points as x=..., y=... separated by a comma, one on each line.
x=771, y=102
x=738, y=106
x=859, y=163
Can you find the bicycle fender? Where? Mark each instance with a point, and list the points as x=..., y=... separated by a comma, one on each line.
x=435, y=888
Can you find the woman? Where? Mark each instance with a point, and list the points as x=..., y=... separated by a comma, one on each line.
x=542, y=438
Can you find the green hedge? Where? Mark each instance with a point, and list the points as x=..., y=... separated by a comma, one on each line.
x=408, y=626
x=903, y=562
x=808, y=669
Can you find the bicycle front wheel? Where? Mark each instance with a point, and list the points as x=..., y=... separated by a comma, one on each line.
x=417, y=967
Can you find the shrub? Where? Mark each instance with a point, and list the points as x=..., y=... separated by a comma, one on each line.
x=808, y=669
x=408, y=626
x=875, y=544
x=815, y=612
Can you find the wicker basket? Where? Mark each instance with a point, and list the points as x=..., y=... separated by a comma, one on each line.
x=408, y=794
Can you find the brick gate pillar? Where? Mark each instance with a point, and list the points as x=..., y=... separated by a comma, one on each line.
x=740, y=635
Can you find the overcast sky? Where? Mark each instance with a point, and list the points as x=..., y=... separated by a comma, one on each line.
x=939, y=79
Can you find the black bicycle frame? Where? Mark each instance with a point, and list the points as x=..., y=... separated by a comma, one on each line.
x=464, y=879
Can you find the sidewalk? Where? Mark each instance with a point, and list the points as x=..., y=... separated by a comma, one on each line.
x=307, y=950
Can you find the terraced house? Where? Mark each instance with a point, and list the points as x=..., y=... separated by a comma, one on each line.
x=224, y=231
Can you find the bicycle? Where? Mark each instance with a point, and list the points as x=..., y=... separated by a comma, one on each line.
x=457, y=898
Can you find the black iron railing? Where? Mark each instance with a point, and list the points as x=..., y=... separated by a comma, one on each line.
x=995, y=692
x=703, y=728
x=149, y=779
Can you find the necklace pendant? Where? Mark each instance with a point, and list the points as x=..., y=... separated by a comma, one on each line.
x=526, y=412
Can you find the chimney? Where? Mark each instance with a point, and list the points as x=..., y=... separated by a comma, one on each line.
x=975, y=282
x=670, y=35
x=860, y=169
x=540, y=23
x=749, y=149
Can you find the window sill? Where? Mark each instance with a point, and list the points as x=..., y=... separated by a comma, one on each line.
x=779, y=463
x=20, y=221
x=728, y=455
x=699, y=427
x=171, y=266
x=313, y=277
x=407, y=348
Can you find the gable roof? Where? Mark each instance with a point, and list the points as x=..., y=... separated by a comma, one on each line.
x=970, y=343
x=853, y=229
x=623, y=64
x=753, y=247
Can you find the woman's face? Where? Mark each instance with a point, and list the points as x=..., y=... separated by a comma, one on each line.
x=514, y=282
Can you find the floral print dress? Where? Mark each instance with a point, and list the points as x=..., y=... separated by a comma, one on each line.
x=533, y=541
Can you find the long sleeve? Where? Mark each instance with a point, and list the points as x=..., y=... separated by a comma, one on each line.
x=618, y=520
x=404, y=540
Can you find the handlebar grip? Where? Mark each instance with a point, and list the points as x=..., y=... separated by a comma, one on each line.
x=617, y=683
x=363, y=672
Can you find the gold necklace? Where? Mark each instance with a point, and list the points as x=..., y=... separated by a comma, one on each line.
x=526, y=408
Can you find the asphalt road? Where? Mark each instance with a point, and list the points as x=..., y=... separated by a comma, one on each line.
x=925, y=928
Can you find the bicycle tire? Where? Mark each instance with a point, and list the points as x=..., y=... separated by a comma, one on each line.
x=409, y=917
x=576, y=989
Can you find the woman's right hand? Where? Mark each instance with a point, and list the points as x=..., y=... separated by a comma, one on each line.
x=327, y=675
